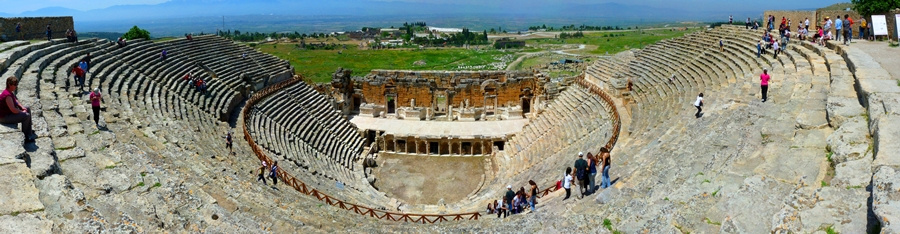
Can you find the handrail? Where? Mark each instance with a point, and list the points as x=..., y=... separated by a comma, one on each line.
x=301, y=187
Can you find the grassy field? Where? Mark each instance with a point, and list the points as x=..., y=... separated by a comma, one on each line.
x=624, y=40
x=318, y=65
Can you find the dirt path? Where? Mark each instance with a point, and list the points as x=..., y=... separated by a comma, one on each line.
x=886, y=56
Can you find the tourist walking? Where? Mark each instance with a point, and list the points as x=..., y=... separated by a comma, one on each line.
x=49, y=32
x=79, y=76
x=775, y=49
x=699, y=104
x=759, y=46
x=592, y=171
x=163, y=55
x=532, y=200
x=228, y=143
x=764, y=84
x=12, y=112
x=84, y=66
x=567, y=182
x=274, y=173
x=747, y=23
x=581, y=167
x=262, y=172
x=95, y=105
x=605, y=159
x=508, y=198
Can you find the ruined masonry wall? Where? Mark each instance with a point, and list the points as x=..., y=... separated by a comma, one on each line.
x=35, y=27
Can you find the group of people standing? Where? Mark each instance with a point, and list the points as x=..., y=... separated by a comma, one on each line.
x=585, y=172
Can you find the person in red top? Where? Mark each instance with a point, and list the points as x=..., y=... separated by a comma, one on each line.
x=764, y=84
x=187, y=77
x=95, y=105
x=12, y=112
x=79, y=75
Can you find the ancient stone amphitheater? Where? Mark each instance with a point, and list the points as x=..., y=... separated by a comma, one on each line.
x=820, y=154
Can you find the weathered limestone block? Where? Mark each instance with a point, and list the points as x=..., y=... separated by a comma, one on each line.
x=25, y=223
x=43, y=158
x=886, y=198
x=839, y=109
x=17, y=192
x=853, y=173
x=850, y=141
x=887, y=141
x=59, y=196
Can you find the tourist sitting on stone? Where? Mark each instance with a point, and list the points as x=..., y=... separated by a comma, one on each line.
x=189, y=37
x=514, y=205
x=187, y=77
x=503, y=209
x=819, y=37
x=121, y=42
x=12, y=112
x=201, y=85
x=163, y=55
x=490, y=207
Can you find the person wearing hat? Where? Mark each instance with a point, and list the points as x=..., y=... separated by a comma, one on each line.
x=509, y=196
x=581, y=173
x=95, y=105
x=764, y=84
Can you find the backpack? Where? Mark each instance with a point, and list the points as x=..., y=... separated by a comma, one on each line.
x=580, y=174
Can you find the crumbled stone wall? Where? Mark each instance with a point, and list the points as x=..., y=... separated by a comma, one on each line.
x=424, y=86
x=35, y=27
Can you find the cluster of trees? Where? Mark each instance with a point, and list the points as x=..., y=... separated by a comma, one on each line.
x=572, y=27
x=135, y=33
x=564, y=35
x=237, y=35
x=870, y=7
x=465, y=37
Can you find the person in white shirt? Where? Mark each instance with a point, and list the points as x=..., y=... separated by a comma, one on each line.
x=775, y=49
x=699, y=103
x=567, y=182
x=806, y=23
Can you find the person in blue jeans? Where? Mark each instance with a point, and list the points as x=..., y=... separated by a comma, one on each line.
x=532, y=201
x=605, y=159
x=592, y=170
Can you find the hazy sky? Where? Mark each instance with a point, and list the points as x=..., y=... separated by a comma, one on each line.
x=18, y=6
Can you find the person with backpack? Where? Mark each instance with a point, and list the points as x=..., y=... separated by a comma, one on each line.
x=508, y=199
x=581, y=167
x=567, y=182
x=699, y=104
x=274, y=173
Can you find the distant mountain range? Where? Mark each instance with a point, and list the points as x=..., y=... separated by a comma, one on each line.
x=204, y=14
